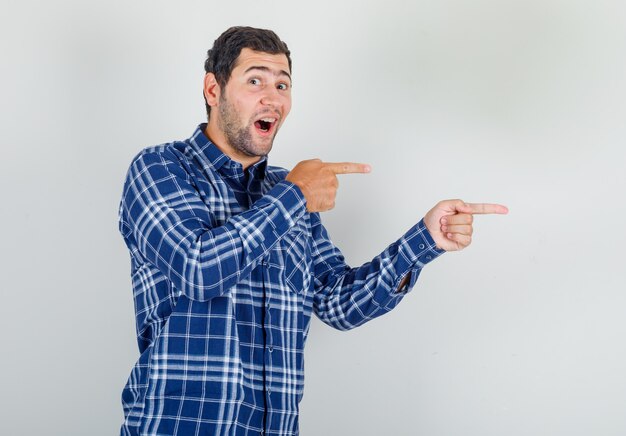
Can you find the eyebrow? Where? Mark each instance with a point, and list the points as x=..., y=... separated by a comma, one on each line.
x=262, y=68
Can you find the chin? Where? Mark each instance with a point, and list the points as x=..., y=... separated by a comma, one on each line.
x=263, y=149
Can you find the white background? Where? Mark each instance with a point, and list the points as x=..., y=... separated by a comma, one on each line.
x=521, y=102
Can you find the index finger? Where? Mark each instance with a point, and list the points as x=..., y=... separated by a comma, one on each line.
x=487, y=208
x=348, y=167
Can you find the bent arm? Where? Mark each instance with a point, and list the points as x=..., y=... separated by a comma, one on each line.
x=164, y=217
x=348, y=297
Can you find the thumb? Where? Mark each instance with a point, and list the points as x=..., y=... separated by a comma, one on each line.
x=463, y=207
x=452, y=207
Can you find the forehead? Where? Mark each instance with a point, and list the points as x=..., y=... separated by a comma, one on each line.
x=248, y=58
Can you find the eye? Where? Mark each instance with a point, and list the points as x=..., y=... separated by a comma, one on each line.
x=254, y=81
x=283, y=86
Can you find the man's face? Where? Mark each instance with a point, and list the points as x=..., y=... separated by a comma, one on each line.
x=255, y=102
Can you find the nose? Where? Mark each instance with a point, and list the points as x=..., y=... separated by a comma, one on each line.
x=271, y=97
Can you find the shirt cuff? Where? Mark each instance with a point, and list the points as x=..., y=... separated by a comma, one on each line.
x=418, y=248
x=291, y=197
x=289, y=206
x=257, y=231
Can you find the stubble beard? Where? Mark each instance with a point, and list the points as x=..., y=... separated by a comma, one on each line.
x=240, y=137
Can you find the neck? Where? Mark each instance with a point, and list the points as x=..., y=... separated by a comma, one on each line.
x=217, y=137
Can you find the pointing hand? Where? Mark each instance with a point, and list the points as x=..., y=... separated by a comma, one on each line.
x=318, y=181
x=450, y=222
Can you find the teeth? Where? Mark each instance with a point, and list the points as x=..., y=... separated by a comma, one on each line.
x=268, y=120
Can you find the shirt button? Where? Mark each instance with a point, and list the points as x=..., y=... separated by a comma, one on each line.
x=270, y=348
x=429, y=257
x=421, y=246
x=269, y=391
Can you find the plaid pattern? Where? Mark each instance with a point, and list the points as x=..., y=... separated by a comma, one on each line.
x=227, y=267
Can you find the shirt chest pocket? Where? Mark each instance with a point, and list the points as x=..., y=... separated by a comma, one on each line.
x=293, y=255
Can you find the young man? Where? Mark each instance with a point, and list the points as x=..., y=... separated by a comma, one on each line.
x=230, y=258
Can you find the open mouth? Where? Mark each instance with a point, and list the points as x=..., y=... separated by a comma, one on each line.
x=265, y=125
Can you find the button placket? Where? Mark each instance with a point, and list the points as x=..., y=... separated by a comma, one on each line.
x=268, y=337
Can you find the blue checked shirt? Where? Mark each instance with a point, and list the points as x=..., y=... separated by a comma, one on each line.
x=227, y=267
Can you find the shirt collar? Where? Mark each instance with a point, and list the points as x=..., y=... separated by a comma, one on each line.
x=220, y=162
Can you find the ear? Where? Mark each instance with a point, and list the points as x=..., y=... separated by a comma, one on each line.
x=211, y=89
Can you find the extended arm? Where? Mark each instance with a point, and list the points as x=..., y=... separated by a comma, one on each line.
x=348, y=297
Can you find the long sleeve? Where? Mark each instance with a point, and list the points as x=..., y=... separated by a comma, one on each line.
x=348, y=297
x=164, y=218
